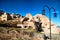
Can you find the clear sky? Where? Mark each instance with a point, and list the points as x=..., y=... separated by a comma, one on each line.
x=31, y=6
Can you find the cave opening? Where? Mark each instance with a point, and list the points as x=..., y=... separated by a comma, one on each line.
x=38, y=27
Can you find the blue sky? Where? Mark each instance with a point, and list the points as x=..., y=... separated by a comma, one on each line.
x=31, y=6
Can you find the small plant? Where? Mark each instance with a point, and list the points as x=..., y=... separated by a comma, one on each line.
x=20, y=39
x=2, y=29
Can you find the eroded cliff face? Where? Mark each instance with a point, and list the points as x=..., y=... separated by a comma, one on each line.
x=37, y=22
x=45, y=23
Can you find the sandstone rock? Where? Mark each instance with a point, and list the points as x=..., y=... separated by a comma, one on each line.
x=46, y=25
x=37, y=38
x=29, y=16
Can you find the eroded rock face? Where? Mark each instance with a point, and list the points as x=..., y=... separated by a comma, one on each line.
x=29, y=16
x=45, y=23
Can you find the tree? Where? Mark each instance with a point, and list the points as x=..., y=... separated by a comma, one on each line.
x=1, y=12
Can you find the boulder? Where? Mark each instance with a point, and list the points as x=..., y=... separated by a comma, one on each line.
x=29, y=16
x=46, y=24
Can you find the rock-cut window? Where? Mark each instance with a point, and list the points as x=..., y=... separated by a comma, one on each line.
x=37, y=17
x=25, y=26
x=29, y=26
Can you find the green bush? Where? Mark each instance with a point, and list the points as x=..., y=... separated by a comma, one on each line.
x=20, y=39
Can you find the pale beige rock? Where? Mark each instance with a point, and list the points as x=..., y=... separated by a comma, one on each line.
x=37, y=38
x=29, y=16
x=46, y=25
x=4, y=17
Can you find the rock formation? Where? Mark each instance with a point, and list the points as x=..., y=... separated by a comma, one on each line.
x=45, y=23
x=38, y=22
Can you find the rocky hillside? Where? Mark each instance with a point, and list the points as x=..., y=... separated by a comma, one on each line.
x=45, y=23
x=19, y=34
x=30, y=28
